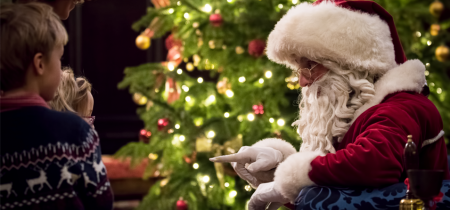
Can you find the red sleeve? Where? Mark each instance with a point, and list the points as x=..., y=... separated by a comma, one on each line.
x=374, y=158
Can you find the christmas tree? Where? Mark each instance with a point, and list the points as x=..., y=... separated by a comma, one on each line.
x=217, y=91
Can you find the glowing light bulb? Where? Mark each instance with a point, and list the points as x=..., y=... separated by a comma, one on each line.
x=188, y=98
x=241, y=79
x=261, y=80
x=427, y=73
x=211, y=134
x=280, y=122
x=271, y=120
x=205, y=179
x=418, y=34
x=186, y=15
x=227, y=115
x=294, y=1
x=427, y=64
x=232, y=194
x=247, y=188
x=280, y=6
x=439, y=91
x=268, y=74
x=250, y=117
x=171, y=10
x=229, y=93
x=185, y=88
x=178, y=3
x=182, y=138
x=177, y=126
x=195, y=166
x=152, y=156
x=179, y=71
x=200, y=80
x=429, y=42
x=227, y=184
x=170, y=66
x=207, y=8
x=229, y=1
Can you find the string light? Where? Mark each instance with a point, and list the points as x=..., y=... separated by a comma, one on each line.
x=268, y=74
x=241, y=79
x=195, y=166
x=170, y=66
x=179, y=71
x=280, y=6
x=280, y=122
x=439, y=91
x=210, y=186
x=229, y=93
x=210, y=99
x=177, y=126
x=186, y=15
x=200, y=80
x=271, y=120
x=240, y=118
x=427, y=73
x=294, y=1
x=247, y=188
x=211, y=134
x=188, y=98
x=427, y=64
x=178, y=3
x=207, y=8
x=229, y=1
x=232, y=194
x=227, y=115
x=185, y=88
x=429, y=42
x=227, y=184
x=152, y=156
x=171, y=10
x=418, y=34
x=432, y=84
x=261, y=80
x=250, y=117
x=182, y=138
x=205, y=179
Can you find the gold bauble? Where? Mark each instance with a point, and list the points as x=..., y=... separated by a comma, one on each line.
x=139, y=99
x=143, y=42
x=239, y=50
x=436, y=8
x=442, y=53
x=190, y=66
x=434, y=29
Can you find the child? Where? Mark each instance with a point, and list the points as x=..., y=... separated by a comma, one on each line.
x=49, y=159
x=74, y=95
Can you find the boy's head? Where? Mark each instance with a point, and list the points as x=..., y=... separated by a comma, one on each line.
x=32, y=41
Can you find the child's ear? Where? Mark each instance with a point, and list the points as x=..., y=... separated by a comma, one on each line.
x=38, y=64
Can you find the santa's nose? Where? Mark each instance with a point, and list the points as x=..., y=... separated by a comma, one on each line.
x=303, y=81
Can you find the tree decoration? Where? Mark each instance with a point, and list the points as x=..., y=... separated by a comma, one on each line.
x=160, y=3
x=172, y=90
x=174, y=55
x=292, y=82
x=434, y=29
x=223, y=86
x=190, y=66
x=203, y=144
x=143, y=42
x=256, y=47
x=139, y=99
x=442, y=53
x=211, y=44
x=239, y=50
x=258, y=109
x=172, y=42
x=144, y=135
x=162, y=123
x=436, y=8
x=216, y=20
x=182, y=204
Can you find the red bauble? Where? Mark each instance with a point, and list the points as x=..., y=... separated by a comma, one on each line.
x=182, y=205
x=144, y=136
x=172, y=42
x=162, y=123
x=216, y=20
x=258, y=109
x=256, y=47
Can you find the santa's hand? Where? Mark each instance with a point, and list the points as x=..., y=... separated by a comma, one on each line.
x=259, y=159
x=266, y=196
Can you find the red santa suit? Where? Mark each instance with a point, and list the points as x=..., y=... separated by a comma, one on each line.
x=358, y=35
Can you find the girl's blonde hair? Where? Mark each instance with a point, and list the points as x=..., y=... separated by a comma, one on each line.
x=72, y=93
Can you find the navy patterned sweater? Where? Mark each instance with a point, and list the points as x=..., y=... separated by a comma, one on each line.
x=50, y=160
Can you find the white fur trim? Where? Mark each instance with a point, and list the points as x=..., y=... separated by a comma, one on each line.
x=292, y=175
x=281, y=145
x=409, y=76
x=430, y=141
x=356, y=40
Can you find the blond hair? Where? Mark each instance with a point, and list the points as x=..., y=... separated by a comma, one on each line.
x=72, y=93
x=25, y=30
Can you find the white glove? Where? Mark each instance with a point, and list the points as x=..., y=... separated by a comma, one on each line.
x=258, y=159
x=266, y=197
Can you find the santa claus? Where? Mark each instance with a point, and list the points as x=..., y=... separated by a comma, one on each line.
x=360, y=100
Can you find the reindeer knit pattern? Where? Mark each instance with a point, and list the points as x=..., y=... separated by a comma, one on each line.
x=50, y=160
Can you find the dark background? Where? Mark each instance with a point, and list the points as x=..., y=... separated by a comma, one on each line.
x=101, y=45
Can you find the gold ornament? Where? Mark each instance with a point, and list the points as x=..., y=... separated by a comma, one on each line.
x=239, y=50
x=203, y=144
x=442, y=53
x=434, y=29
x=189, y=66
x=436, y=8
x=292, y=82
x=149, y=105
x=143, y=42
x=139, y=99
x=223, y=86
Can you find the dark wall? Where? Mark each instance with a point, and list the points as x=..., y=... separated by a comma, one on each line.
x=101, y=45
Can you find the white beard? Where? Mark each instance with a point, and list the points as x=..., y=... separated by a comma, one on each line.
x=326, y=111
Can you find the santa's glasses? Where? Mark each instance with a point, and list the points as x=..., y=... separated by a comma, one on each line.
x=307, y=72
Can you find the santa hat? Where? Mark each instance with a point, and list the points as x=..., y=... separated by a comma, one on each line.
x=359, y=35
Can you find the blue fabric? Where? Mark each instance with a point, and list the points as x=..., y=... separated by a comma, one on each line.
x=335, y=198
